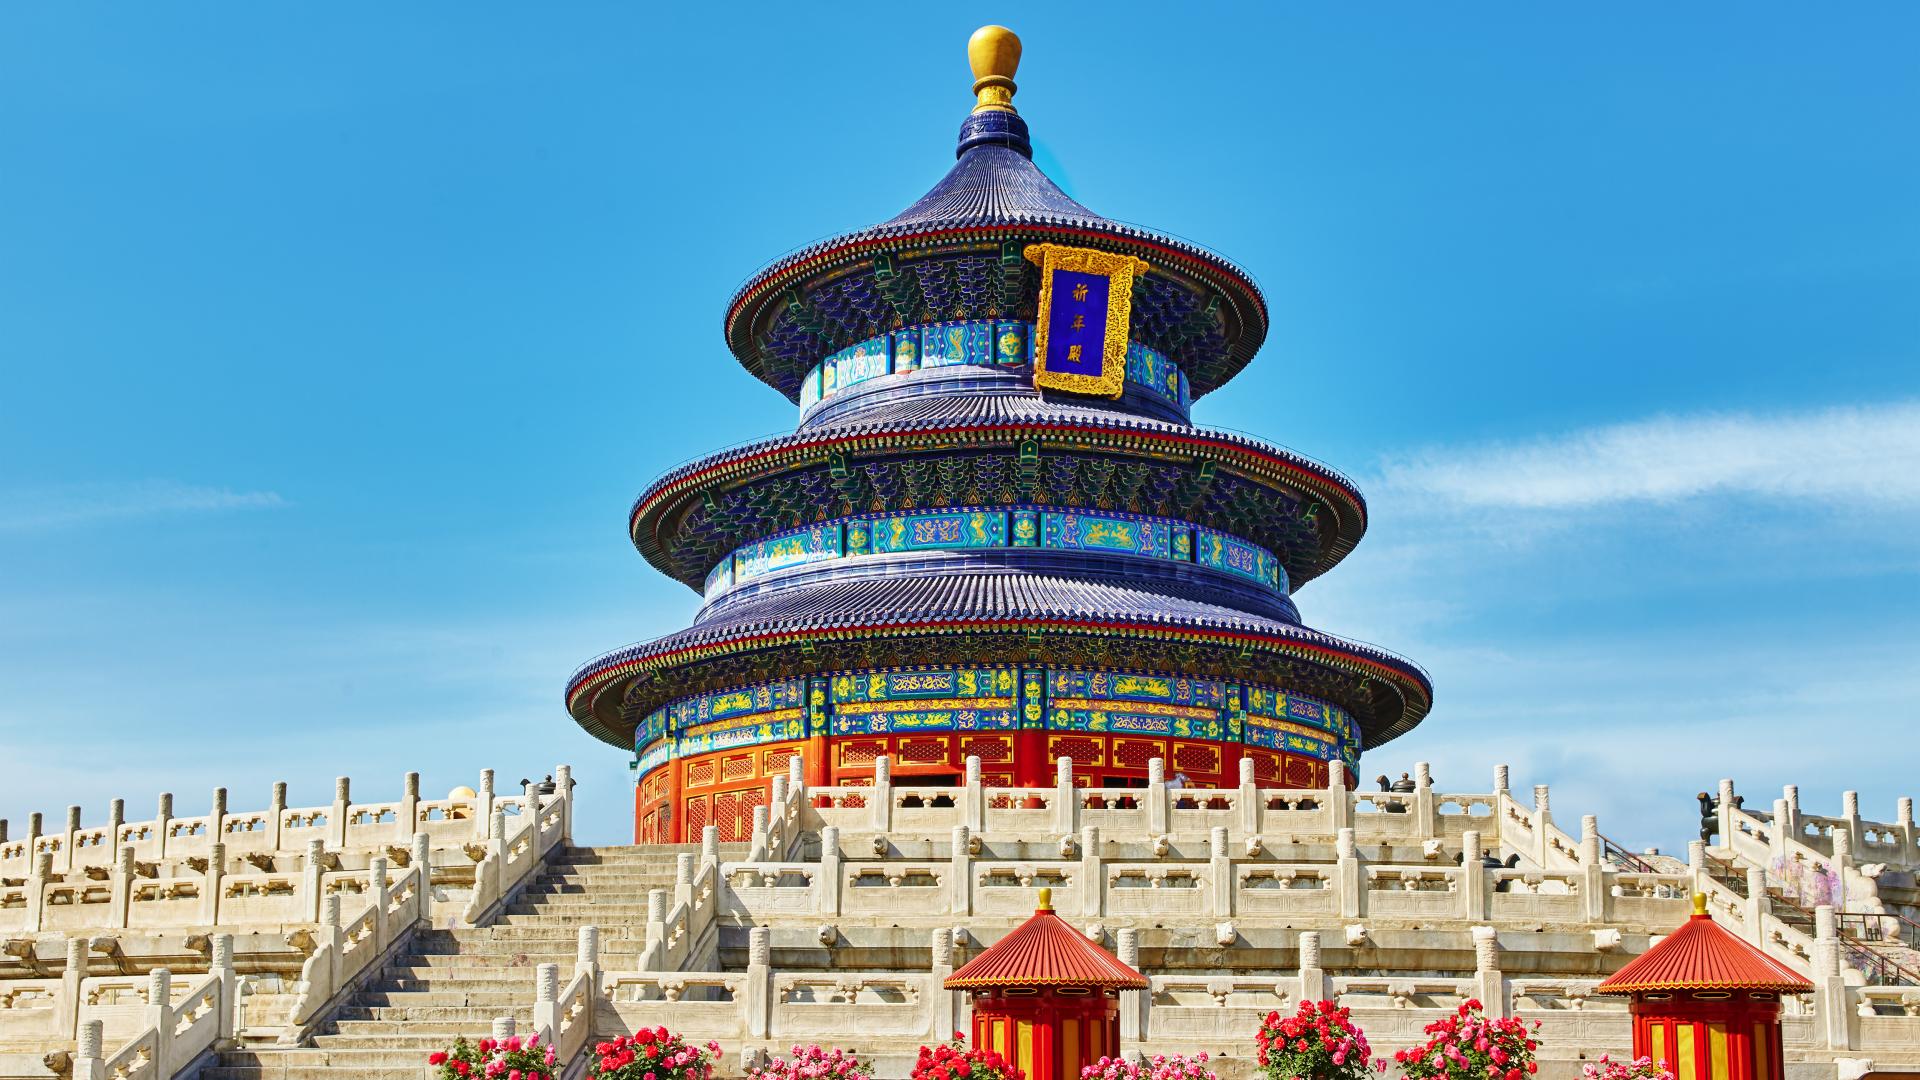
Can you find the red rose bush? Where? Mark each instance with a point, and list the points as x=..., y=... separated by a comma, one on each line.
x=1640, y=1068
x=952, y=1060
x=1318, y=1042
x=1470, y=1045
x=814, y=1063
x=489, y=1059
x=1159, y=1067
x=651, y=1054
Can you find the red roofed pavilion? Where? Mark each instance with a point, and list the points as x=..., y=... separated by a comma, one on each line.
x=1046, y=998
x=1707, y=1003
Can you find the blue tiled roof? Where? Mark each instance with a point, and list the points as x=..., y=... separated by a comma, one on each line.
x=878, y=602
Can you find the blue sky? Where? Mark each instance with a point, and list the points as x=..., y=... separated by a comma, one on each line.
x=337, y=341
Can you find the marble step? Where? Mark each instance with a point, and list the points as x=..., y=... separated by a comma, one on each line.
x=453, y=995
x=438, y=1014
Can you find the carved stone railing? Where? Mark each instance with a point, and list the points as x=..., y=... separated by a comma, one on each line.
x=339, y=825
x=174, y=1034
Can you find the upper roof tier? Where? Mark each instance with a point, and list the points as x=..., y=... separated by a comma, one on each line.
x=956, y=254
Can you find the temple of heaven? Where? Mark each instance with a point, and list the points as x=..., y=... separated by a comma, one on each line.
x=995, y=531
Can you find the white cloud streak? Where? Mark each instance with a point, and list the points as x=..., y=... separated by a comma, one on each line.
x=1866, y=456
x=48, y=509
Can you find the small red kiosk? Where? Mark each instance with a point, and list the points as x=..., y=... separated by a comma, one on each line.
x=1046, y=998
x=1707, y=1003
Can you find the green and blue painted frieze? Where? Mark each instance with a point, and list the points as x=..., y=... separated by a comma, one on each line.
x=964, y=698
x=971, y=342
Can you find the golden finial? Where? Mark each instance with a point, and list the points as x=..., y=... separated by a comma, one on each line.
x=994, y=52
x=1699, y=903
x=1046, y=895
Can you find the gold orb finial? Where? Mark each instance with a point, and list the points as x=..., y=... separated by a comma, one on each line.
x=994, y=53
x=1699, y=903
x=1046, y=900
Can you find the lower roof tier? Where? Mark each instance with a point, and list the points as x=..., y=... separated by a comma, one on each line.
x=997, y=444
x=993, y=616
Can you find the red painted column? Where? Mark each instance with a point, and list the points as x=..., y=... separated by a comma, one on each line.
x=676, y=813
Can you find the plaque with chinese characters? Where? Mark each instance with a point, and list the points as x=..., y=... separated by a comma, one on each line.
x=1080, y=336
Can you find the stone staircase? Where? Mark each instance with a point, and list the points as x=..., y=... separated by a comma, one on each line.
x=456, y=982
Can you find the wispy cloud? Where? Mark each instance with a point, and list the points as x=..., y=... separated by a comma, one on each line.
x=46, y=509
x=1865, y=456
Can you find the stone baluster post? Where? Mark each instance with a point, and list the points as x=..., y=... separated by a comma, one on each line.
x=1313, y=978
x=1339, y=801
x=1725, y=813
x=1697, y=865
x=377, y=891
x=158, y=1016
x=1759, y=906
x=1500, y=777
x=759, y=981
x=1850, y=811
x=1135, y=1005
x=1782, y=831
x=685, y=865
x=710, y=846
x=1829, y=983
x=312, y=879
x=759, y=844
x=1159, y=808
x=222, y=967
x=1542, y=825
x=961, y=898
x=116, y=819
x=826, y=887
x=1842, y=850
x=420, y=856
x=1589, y=840
x=162, y=824
x=1066, y=800
x=1596, y=881
x=882, y=804
x=1348, y=874
x=330, y=941
x=586, y=957
x=546, y=998
x=1426, y=811
x=217, y=815
x=1220, y=871
x=778, y=839
x=1489, y=984
x=1093, y=874
x=1252, y=807
x=1475, y=895
x=409, y=803
x=1909, y=851
x=66, y=844
x=72, y=977
x=122, y=888
x=563, y=789
x=483, y=804
x=943, y=1009
x=502, y=1028
x=277, y=813
x=88, y=1062
x=38, y=878
x=337, y=817
x=213, y=886
x=797, y=774
x=653, y=956
x=975, y=796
